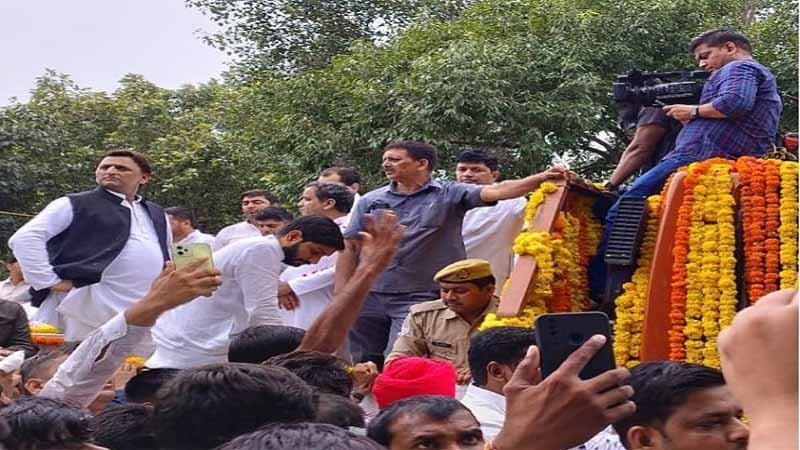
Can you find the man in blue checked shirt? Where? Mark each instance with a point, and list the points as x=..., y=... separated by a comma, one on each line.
x=738, y=113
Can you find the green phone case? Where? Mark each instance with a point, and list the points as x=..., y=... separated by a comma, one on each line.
x=183, y=254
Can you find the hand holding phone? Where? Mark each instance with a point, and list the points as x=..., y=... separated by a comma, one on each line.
x=578, y=409
x=559, y=335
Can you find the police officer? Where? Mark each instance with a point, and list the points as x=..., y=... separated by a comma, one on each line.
x=440, y=329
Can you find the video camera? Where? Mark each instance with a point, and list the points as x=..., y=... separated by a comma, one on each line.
x=659, y=88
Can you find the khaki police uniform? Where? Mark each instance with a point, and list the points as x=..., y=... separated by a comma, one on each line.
x=432, y=330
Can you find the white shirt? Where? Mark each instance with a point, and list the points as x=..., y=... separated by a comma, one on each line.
x=198, y=333
x=489, y=234
x=126, y=279
x=82, y=376
x=488, y=407
x=313, y=286
x=235, y=232
x=198, y=237
x=356, y=198
x=17, y=293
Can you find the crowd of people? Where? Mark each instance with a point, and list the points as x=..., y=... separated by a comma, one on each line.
x=356, y=324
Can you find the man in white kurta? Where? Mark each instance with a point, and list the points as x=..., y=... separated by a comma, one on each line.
x=181, y=220
x=252, y=203
x=125, y=280
x=15, y=288
x=345, y=176
x=489, y=232
x=200, y=332
x=306, y=290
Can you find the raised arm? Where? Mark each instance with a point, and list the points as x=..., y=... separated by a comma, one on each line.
x=346, y=263
x=378, y=246
x=517, y=188
x=82, y=376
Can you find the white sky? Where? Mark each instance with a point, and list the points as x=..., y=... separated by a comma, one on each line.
x=96, y=42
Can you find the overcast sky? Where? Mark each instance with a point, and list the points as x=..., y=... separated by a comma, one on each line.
x=96, y=42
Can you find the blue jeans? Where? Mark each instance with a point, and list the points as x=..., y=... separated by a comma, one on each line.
x=650, y=183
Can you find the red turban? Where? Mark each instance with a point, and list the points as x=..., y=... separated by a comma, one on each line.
x=411, y=376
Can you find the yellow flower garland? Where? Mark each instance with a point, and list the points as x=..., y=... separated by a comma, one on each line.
x=630, y=305
x=44, y=328
x=537, y=198
x=136, y=361
x=719, y=211
x=726, y=250
x=788, y=227
x=557, y=259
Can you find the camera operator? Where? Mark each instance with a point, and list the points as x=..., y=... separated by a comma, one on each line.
x=737, y=115
x=653, y=138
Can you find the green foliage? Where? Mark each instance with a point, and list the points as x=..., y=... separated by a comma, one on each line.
x=528, y=78
x=290, y=35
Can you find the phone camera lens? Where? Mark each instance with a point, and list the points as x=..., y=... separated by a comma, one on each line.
x=576, y=339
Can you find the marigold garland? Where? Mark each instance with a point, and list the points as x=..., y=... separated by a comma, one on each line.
x=136, y=361
x=693, y=310
x=788, y=228
x=46, y=334
x=772, y=264
x=39, y=328
x=630, y=305
x=753, y=223
x=560, y=283
x=537, y=198
x=680, y=253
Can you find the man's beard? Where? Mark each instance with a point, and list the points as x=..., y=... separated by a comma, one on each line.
x=290, y=256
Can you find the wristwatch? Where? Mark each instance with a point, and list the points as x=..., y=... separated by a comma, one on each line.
x=696, y=112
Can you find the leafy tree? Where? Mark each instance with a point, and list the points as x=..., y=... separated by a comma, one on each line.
x=527, y=78
x=291, y=35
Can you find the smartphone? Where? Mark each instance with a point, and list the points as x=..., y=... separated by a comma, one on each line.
x=183, y=254
x=560, y=334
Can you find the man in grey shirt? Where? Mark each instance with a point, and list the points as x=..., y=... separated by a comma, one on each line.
x=432, y=213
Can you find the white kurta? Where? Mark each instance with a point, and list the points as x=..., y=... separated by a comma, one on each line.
x=198, y=237
x=313, y=286
x=17, y=293
x=126, y=279
x=488, y=407
x=489, y=234
x=199, y=332
x=235, y=232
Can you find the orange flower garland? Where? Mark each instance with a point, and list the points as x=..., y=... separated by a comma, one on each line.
x=680, y=253
x=753, y=187
x=772, y=264
x=560, y=299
